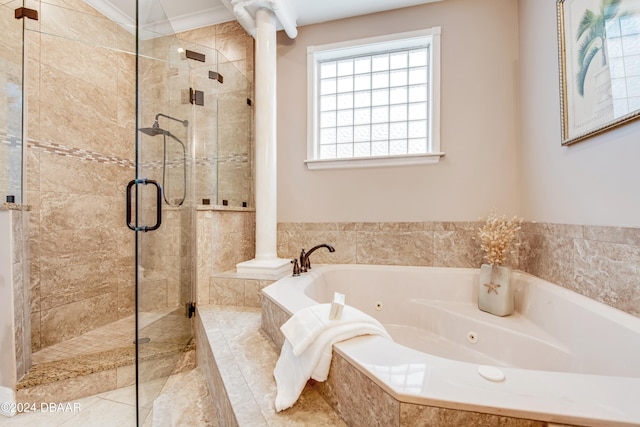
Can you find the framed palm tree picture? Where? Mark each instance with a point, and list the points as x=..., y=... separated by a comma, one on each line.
x=599, y=58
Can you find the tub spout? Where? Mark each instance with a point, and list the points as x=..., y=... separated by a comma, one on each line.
x=305, y=264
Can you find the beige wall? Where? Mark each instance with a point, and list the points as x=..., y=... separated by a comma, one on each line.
x=478, y=128
x=500, y=129
x=595, y=181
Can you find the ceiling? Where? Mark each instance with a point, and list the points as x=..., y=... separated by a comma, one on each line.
x=189, y=14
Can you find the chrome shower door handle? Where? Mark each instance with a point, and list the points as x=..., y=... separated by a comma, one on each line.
x=145, y=228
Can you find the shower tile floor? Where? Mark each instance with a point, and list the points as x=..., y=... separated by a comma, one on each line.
x=114, y=335
x=110, y=347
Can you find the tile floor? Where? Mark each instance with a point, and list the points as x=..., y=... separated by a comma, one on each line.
x=185, y=395
x=184, y=400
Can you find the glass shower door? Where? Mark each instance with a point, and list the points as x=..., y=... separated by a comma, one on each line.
x=162, y=208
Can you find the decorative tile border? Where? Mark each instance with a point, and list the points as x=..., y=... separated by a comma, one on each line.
x=9, y=140
x=229, y=158
x=79, y=153
x=93, y=156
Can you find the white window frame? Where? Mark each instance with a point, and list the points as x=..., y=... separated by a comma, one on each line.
x=372, y=45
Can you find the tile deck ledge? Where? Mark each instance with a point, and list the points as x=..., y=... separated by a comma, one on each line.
x=238, y=359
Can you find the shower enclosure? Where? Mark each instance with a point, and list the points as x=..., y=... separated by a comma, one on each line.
x=129, y=128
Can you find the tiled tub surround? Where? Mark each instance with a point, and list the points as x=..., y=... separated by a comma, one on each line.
x=602, y=263
x=555, y=371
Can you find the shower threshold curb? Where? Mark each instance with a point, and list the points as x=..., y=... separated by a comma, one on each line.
x=84, y=375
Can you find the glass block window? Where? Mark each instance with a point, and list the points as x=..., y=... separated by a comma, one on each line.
x=375, y=98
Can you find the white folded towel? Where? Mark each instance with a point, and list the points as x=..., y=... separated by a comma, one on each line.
x=293, y=371
x=308, y=323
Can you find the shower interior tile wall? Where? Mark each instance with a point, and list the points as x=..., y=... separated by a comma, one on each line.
x=602, y=263
x=225, y=238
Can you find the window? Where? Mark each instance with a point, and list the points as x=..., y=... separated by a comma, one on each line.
x=374, y=101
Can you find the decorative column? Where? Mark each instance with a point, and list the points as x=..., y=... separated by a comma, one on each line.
x=266, y=263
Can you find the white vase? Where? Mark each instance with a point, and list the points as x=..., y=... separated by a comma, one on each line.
x=495, y=293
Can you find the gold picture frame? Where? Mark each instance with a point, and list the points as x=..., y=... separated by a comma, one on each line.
x=599, y=60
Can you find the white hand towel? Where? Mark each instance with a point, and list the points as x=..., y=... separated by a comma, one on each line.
x=292, y=372
x=307, y=324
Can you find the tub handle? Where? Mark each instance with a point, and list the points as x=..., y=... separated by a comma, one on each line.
x=296, y=267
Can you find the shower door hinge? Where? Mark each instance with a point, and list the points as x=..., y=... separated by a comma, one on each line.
x=190, y=309
x=196, y=56
x=213, y=75
x=196, y=96
x=25, y=12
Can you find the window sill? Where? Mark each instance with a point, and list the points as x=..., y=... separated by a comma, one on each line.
x=369, y=162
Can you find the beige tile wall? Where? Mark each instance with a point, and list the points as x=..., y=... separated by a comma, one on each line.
x=225, y=238
x=442, y=244
x=602, y=263
x=21, y=292
x=18, y=274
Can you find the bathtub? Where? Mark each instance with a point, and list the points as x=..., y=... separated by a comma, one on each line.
x=560, y=358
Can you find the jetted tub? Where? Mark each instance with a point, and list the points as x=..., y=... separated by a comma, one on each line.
x=561, y=357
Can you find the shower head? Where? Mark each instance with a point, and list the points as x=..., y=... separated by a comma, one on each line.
x=154, y=130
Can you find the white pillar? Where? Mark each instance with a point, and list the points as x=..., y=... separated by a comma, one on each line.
x=266, y=262
x=266, y=145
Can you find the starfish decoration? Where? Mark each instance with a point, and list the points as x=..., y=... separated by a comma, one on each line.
x=492, y=287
